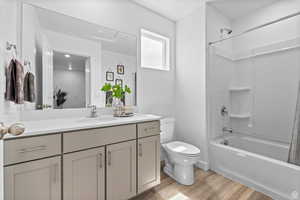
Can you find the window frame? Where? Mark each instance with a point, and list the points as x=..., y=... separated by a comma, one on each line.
x=166, y=49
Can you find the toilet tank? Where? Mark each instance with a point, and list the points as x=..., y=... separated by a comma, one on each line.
x=167, y=126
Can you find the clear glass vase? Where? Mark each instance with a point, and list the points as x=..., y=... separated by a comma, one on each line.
x=118, y=107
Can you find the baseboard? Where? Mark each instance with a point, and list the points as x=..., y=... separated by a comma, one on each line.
x=202, y=165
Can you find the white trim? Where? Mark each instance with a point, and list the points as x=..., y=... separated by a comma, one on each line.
x=239, y=89
x=240, y=116
x=166, y=41
x=202, y=165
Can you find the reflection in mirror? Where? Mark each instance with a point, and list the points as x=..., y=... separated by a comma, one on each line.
x=70, y=72
x=72, y=59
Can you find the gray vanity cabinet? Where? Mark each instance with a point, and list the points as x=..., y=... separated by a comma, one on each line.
x=121, y=170
x=33, y=180
x=109, y=163
x=84, y=175
x=148, y=163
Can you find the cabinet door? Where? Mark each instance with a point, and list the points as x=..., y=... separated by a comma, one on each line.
x=148, y=163
x=34, y=180
x=121, y=170
x=84, y=175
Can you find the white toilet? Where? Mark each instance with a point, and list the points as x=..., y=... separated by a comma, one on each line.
x=179, y=157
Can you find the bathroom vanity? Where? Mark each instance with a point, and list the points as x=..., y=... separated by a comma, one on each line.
x=87, y=159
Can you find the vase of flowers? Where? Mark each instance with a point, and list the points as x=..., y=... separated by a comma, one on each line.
x=60, y=98
x=118, y=94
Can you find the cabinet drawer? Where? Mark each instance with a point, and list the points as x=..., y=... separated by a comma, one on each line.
x=26, y=149
x=148, y=129
x=79, y=140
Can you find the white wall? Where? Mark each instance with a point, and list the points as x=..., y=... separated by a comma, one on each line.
x=110, y=60
x=71, y=81
x=155, y=88
x=8, y=33
x=220, y=70
x=191, y=120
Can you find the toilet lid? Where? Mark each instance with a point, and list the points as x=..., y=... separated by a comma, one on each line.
x=183, y=148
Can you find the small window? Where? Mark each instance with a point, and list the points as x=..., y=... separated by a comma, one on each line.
x=155, y=51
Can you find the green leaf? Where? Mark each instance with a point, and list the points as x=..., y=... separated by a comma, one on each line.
x=106, y=87
x=117, y=90
x=127, y=89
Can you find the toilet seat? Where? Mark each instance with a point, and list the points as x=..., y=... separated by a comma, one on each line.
x=182, y=148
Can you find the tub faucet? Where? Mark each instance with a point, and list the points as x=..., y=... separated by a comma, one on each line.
x=227, y=130
x=93, y=111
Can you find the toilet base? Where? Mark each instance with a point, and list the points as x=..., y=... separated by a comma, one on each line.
x=180, y=173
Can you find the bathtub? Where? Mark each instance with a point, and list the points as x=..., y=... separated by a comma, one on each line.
x=258, y=164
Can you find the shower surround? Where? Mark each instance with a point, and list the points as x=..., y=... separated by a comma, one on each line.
x=255, y=74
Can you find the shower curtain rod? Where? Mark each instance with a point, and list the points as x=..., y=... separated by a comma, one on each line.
x=257, y=27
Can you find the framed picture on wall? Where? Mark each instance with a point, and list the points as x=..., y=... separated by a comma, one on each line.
x=120, y=69
x=108, y=99
x=119, y=82
x=110, y=76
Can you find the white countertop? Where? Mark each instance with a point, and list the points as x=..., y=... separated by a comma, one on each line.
x=34, y=128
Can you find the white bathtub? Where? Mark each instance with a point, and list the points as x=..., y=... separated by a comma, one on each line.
x=258, y=164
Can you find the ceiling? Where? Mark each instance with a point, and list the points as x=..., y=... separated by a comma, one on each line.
x=60, y=62
x=111, y=40
x=234, y=9
x=172, y=9
x=178, y=9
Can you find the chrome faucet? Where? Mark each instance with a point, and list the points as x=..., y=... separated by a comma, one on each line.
x=93, y=111
x=227, y=130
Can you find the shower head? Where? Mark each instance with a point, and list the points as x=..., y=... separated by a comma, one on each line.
x=226, y=30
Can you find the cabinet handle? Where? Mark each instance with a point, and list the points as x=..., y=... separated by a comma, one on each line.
x=140, y=150
x=55, y=173
x=109, y=158
x=100, y=160
x=151, y=128
x=33, y=149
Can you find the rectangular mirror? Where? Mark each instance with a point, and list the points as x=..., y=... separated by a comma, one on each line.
x=72, y=59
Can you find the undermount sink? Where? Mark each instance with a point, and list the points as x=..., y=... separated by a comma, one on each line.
x=96, y=119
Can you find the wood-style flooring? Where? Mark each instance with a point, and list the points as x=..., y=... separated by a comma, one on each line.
x=208, y=186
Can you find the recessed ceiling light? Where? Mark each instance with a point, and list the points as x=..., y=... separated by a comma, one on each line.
x=67, y=56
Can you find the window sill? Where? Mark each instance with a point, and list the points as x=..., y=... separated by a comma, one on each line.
x=157, y=68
